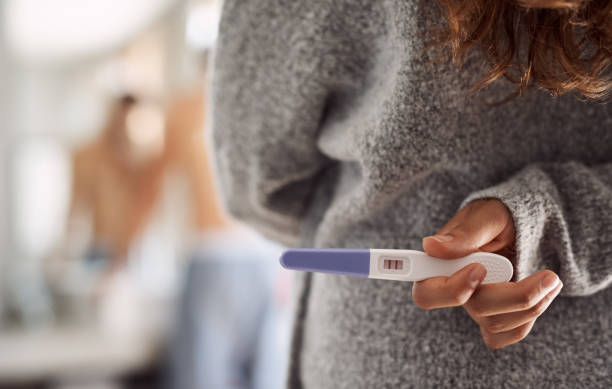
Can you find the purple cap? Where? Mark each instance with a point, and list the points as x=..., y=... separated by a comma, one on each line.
x=352, y=262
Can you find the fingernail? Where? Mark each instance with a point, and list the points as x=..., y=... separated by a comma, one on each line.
x=477, y=275
x=443, y=238
x=549, y=281
x=555, y=291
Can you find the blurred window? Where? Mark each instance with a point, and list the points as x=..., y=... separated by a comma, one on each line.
x=42, y=29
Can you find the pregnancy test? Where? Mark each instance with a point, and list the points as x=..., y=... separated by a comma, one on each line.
x=398, y=265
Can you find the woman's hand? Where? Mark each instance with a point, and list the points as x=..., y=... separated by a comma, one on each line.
x=505, y=311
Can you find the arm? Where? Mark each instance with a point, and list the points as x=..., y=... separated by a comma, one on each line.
x=563, y=218
x=187, y=149
x=268, y=102
x=555, y=215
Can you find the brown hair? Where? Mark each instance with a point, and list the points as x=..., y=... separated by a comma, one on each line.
x=567, y=43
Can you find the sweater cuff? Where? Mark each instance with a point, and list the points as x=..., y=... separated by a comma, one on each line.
x=528, y=204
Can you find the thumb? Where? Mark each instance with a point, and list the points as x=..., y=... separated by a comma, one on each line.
x=474, y=226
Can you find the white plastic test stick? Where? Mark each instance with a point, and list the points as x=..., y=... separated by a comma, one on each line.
x=398, y=265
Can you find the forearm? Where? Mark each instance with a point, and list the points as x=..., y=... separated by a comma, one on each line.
x=562, y=214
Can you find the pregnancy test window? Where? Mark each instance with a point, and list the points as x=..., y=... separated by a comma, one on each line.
x=394, y=264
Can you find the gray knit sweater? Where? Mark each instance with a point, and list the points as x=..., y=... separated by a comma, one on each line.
x=333, y=128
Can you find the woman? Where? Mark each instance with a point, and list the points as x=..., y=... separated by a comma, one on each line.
x=336, y=125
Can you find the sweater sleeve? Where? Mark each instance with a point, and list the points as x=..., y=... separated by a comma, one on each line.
x=562, y=214
x=266, y=114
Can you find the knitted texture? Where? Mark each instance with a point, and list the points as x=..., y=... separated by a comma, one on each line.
x=334, y=127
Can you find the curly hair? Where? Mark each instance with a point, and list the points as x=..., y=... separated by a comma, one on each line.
x=559, y=45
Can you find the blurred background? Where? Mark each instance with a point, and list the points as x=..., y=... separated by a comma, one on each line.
x=118, y=268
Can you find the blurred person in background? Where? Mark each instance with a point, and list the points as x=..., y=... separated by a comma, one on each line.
x=116, y=184
x=117, y=179
x=230, y=331
x=146, y=188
